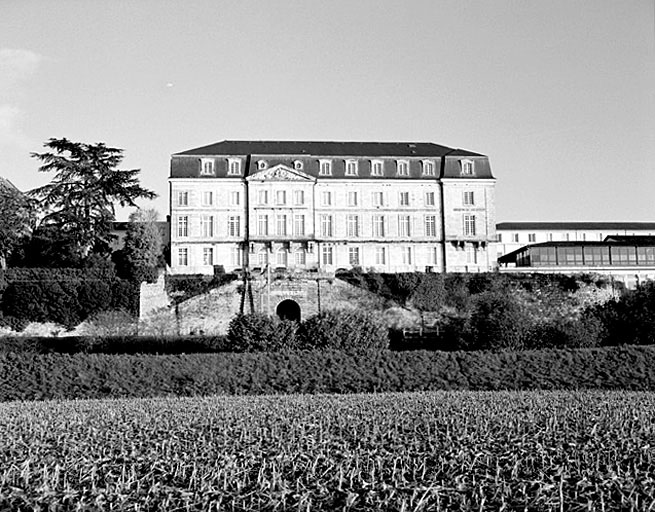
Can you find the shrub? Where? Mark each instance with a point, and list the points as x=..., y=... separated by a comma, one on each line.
x=344, y=330
x=257, y=332
x=498, y=322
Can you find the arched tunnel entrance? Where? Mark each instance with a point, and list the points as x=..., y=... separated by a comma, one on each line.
x=288, y=310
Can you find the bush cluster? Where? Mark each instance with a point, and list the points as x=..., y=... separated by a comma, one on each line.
x=26, y=376
x=64, y=296
x=331, y=329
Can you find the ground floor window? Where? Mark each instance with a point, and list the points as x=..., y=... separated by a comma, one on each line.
x=183, y=256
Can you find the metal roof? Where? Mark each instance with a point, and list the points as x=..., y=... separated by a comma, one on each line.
x=580, y=226
x=327, y=148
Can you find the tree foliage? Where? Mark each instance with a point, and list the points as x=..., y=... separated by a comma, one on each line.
x=142, y=249
x=80, y=200
x=17, y=218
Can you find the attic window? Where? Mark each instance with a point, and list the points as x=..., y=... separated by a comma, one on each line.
x=261, y=164
x=297, y=165
x=325, y=167
x=351, y=167
x=428, y=168
x=206, y=167
x=234, y=166
x=402, y=167
x=467, y=167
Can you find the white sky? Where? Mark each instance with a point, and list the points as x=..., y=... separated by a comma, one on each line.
x=559, y=94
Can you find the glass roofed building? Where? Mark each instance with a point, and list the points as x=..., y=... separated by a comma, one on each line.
x=630, y=259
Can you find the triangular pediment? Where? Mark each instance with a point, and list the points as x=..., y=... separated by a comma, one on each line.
x=280, y=172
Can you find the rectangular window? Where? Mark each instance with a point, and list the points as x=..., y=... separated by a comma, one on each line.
x=471, y=254
x=262, y=225
x=515, y=238
x=281, y=258
x=380, y=255
x=429, y=199
x=351, y=167
x=235, y=198
x=325, y=168
x=207, y=256
x=467, y=167
x=469, y=225
x=281, y=225
x=352, y=225
x=299, y=257
x=596, y=255
x=234, y=166
x=434, y=255
x=299, y=225
x=207, y=167
x=326, y=225
x=183, y=225
x=298, y=197
x=532, y=237
x=263, y=197
x=207, y=198
x=469, y=198
x=234, y=225
x=183, y=257
x=326, y=198
x=281, y=197
x=183, y=198
x=378, y=198
x=402, y=167
x=353, y=256
x=262, y=258
x=428, y=168
x=378, y=226
x=376, y=168
x=235, y=256
x=403, y=198
x=406, y=255
x=352, y=198
x=570, y=255
x=404, y=225
x=207, y=226
x=431, y=225
x=326, y=255
x=624, y=255
x=646, y=256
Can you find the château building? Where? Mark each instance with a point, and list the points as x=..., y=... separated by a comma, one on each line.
x=392, y=207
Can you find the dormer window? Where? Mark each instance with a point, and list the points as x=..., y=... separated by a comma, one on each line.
x=297, y=165
x=467, y=167
x=428, y=168
x=376, y=168
x=234, y=166
x=262, y=164
x=351, y=167
x=402, y=167
x=325, y=168
x=207, y=167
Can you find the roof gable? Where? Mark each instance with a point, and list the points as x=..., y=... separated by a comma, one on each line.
x=280, y=172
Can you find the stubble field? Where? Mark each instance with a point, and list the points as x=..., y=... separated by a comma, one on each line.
x=396, y=451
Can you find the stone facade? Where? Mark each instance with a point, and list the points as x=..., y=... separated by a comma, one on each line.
x=392, y=207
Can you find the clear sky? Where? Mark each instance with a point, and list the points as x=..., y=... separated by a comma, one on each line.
x=559, y=93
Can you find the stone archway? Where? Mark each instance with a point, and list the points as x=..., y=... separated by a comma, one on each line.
x=288, y=310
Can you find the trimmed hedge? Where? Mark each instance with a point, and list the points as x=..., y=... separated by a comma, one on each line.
x=114, y=344
x=26, y=376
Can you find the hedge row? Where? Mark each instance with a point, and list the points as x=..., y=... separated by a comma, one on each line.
x=115, y=344
x=62, y=376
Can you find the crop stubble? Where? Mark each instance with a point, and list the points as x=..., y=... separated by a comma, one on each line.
x=397, y=451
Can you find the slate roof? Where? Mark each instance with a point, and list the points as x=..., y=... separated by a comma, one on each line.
x=372, y=149
x=580, y=226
